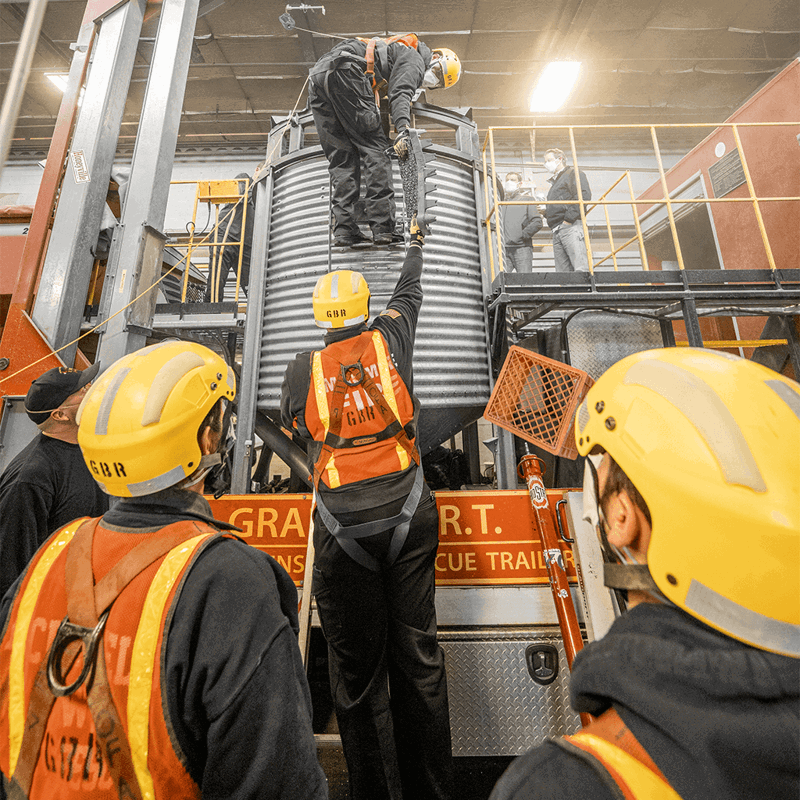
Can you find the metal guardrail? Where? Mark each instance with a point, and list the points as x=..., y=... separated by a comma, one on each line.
x=492, y=230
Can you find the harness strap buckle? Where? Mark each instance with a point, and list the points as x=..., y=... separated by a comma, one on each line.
x=67, y=634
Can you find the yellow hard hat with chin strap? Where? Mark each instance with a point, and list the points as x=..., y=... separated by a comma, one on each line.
x=710, y=441
x=341, y=299
x=450, y=65
x=139, y=421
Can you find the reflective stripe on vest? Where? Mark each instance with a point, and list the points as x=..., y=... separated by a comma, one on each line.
x=388, y=390
x=634, y=779
x=323, y=408
x=145, y=654
x=17, y=707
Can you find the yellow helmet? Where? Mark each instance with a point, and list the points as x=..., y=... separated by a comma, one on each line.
x=710, y=441
x=138, y=423
x=451, y=66
x=341, y=299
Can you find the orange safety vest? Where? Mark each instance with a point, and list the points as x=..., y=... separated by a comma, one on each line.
x=359, y=411
x=109, y=737
x=613, y=748
x=408, y=39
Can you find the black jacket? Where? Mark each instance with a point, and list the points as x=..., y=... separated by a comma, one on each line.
x=520, y=223
x=402, y=68
x=720, y=719
x=562, y=187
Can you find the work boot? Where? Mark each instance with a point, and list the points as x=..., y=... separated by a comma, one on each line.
x=354, y=241
x=393, y=238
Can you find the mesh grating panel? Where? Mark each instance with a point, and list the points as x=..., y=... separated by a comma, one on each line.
x=535, y=398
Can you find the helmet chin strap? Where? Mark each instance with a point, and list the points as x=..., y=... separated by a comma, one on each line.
x=207, y=463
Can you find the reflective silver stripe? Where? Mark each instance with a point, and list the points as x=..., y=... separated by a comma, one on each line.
x=104, y=412
x=788, y=394
x=335, y=286
x=741, y=622
x=231, y=378
x=704, y=409
x=165, y=381
x=355, y=279
x=583, y=416
x=153, y=485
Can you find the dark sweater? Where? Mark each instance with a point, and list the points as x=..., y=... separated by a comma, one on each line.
x=720, y=719
x=45, y=486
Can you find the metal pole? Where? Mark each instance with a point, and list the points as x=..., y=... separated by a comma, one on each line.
x=636, y=222
x=135, y=261
x=581, y=202
x=19, y=76
x=67, y=268
x=251, y=346
x=751, y=189
x=667, y=200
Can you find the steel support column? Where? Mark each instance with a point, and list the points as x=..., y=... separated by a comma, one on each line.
x=134, y=262
x=67, y=267
x=505, y=460
x=251, y=349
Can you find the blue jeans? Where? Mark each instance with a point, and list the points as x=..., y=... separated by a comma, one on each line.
x=519, y=259
x=569, y=248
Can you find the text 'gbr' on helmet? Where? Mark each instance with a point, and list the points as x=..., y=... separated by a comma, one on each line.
x=138, y=423
x=341, y=299
x=710, y=441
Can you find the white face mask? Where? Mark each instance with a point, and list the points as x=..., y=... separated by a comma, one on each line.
x=511, y=186
x=551, y=166
x=430, y=80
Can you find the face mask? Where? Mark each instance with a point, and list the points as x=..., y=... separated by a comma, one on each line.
x=551, y=166
x=511, y=186
x=430, y=81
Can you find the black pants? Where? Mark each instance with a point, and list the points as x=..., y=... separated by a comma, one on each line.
x=351, y=135
x=386, y=667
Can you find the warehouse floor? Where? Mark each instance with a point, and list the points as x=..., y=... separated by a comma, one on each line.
x=474, y=777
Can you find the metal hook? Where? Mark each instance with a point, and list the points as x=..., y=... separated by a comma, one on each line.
x=67, y=634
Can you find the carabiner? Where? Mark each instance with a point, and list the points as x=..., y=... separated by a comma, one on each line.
x=67, y=634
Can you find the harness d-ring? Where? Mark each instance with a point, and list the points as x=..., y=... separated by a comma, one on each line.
x=347, y=369
x=67, y=634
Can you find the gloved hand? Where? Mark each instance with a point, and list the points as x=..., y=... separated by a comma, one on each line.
x=401, y=144
x=416, y=233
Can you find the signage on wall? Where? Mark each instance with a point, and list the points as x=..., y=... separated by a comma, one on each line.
x=485, y=537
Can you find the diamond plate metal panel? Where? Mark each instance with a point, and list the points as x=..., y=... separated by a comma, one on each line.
x=496, y=708
x=597, y=339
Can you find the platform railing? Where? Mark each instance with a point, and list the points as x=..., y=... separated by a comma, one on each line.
x=493, y=204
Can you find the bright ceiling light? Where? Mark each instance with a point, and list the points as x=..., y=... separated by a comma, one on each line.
x=58, y=79
x=555, y=84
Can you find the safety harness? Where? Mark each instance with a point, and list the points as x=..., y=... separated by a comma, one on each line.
x=609, y=747
x=408, y=39
x=352, y=374
x=88, y=607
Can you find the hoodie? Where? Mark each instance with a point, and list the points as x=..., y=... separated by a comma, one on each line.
x=720, y=719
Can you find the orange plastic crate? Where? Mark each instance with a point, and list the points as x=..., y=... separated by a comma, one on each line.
x=536, y=399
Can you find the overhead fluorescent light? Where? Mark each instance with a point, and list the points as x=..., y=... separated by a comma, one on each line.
x=555, y=84
x=58, y=79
